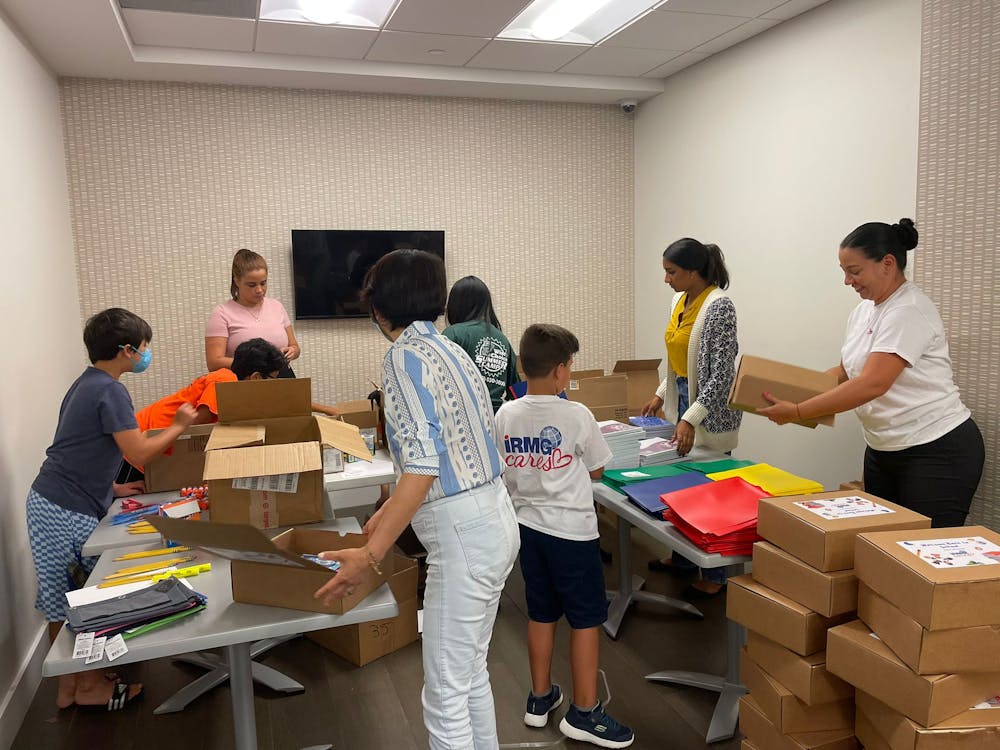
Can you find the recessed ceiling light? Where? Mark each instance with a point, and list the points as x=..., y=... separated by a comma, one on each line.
x=574, y=21
x=359, y=13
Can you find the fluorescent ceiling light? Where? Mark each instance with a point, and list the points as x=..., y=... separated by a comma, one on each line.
x=575, y=21
x=369, y=14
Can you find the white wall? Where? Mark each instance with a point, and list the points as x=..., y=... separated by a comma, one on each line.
x=775, y=150
x=41, y=340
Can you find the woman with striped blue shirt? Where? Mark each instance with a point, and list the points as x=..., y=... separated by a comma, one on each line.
x=441, y=434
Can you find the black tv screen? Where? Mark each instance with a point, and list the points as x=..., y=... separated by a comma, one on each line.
x=329, y=266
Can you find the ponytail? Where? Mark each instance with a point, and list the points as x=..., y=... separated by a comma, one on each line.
x=707, y=260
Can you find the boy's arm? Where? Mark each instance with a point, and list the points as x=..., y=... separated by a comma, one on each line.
x=139, y=447
x=596, y=474
x=204, y=415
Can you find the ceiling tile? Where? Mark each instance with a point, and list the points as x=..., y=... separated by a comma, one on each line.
x=792, y=8
x=410, y=47
x=737, y=35
x=671, y=31
x=156, y=29
x=678, y=63
x=319, y=41
x=483, y=18
x=618, y=61
x=745, y=8
x=544, y=57
x=226, y=8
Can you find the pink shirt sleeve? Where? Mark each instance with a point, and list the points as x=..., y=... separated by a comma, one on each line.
x=218, y=325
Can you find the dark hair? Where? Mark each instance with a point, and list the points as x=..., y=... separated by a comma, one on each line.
x=256, y=355
x=707, y=260
x=244, y=262
x=543, y=346
x=406, y=285
x=470, y=299
x=110, y=329
x=876, y=239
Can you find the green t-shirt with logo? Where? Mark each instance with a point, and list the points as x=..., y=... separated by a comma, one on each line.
x=492, y=353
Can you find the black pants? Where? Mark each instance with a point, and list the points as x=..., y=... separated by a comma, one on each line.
x=937, y=479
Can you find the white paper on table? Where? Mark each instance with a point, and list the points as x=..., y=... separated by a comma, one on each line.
x=92, y=594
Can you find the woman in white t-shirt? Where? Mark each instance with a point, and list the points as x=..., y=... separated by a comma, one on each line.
x=924, y=450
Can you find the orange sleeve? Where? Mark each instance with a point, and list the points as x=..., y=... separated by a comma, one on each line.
x=208, y=397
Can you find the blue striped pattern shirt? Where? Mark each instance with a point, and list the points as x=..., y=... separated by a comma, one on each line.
x=438, y=415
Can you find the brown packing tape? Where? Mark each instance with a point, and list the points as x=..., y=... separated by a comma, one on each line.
x=264, y=510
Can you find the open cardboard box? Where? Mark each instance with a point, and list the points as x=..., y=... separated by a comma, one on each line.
x=642, y=378
x=605, y=395
x=755, y=375
x=273, y=571
x=180, y=465
x=264, y=461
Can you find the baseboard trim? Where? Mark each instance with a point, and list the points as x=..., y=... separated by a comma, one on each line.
x=22, y=691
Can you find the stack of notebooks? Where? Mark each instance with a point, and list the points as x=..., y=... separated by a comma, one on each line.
x=655, y=427
x=656, y=451
x=136, y=612
x=648, y=494
x=623, y=440
x=717, y=516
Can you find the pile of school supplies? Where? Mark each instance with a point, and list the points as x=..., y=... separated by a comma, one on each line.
x=718, y=516
x=623, y=440
x=654, y=427
x=153, y=606
x=656, y=451
x=134, y=512
x=648, y=495
x=776, y=482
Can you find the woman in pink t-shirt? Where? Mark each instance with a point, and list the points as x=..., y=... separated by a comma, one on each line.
x=250, y=314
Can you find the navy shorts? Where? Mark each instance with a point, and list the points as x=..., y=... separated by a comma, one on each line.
x=563, y=577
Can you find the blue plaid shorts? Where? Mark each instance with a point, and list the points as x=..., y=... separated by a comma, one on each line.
x=56, y=536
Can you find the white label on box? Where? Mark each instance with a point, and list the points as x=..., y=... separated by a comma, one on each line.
x=574, y=385
x=850, y=506
x=333, y=460
x=182, y=509
x=960, y=552
x=115, y=647
x=83, y=645
x=272, y=483
x=97, y=652
x=993, y=702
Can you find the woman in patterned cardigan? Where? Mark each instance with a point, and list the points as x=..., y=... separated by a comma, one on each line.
x=701, y=356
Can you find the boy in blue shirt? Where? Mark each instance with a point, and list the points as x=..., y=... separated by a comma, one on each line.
x=553, y=448
x=75, y=485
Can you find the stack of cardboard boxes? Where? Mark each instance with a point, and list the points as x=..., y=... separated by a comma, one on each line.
x=803, y=584
x=925, y=655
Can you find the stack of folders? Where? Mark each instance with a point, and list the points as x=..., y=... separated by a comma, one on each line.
x=136, y=612
x=718, y=516
x=647, y=494
x=655, y=427
x=656, y=451
x=623, y=440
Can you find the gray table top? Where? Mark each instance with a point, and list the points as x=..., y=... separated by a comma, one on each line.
x=223, y=622
x=362, y=473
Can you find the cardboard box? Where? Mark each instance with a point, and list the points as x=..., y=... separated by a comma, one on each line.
x=765, y=735
x=786, y=712
x=786, y=382
x=748, y=745
x=805, y=676
x=642, y=380
x=182, y=464
x=942, y=578
x=605, y=395
x=976, y=729
x=975, y=649
x=829, y=594
x=777, y=617
x=867, y=735
x=856, y=654
x=803, y=526
x=272, y=571
x=263, y=462
x=851, y=486
x=367, y=641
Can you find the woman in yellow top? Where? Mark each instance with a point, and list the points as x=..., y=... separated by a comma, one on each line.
x=701, y=356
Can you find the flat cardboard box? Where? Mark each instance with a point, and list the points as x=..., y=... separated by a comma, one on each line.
x=784, y=710
x=364, y=642
x=954, y=585
x=755, y=375
x=272, y=571
x=777, y=617
x=856, y=654
x=642, y=380
x=182, y=464
x=805, y=676
x=829, y=594
x=266, y=429
x=975, y=649
x=605, y=395
x=795, y=525
x=975, y=729
x=766, y=736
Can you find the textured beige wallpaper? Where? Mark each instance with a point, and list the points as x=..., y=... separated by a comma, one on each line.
x=167, y=181
x=958, y=260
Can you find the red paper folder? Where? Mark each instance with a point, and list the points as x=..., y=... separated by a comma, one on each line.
x=718, y=517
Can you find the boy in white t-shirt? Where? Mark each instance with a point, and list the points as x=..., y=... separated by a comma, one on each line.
x=552, y=449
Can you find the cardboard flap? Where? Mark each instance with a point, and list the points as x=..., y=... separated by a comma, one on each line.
x=343, y=436
x=264, y=460
x=234, y=541
x=635, y=365
x=264, y=399
x=235, y=436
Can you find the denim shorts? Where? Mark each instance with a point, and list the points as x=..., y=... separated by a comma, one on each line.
x=563, y=577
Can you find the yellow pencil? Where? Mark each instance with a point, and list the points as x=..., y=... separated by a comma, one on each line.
x=147, y=567
x=193, y=570
x=150, y=553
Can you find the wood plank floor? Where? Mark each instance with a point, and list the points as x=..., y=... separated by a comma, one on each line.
x=378, y=706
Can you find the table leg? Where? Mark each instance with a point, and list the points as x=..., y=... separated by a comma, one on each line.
x=629, y=586
x=241, y=691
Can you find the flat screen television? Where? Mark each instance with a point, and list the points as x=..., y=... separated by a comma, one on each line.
x=329, y=266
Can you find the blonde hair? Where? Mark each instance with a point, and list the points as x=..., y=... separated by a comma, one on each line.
x=244, y=262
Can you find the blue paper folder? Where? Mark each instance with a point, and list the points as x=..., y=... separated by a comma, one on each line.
x=647, y=494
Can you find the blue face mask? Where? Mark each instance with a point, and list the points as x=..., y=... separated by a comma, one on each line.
x=385, y=335
x=144, y=359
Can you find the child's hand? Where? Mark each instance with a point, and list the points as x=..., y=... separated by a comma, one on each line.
x=185, y=415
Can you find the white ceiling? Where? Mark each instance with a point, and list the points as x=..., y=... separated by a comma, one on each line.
x=426, y=47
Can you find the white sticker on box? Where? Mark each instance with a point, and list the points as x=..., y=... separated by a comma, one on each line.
x=115, y=647
x=837, y=508
x=83, y=645
x=97, y=652
x=960, y=552
x=993, y=702
x=271, y=483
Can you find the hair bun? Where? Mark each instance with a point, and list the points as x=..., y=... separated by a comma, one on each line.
x=907, y=233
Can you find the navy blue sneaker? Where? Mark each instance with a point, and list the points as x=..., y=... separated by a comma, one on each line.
x=539, y=708
x=595, y=727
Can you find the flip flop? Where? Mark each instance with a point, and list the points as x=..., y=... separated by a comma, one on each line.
x=118, y=700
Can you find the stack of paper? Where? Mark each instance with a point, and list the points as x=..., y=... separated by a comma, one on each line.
x=618, y=478
x=655, y=427
x=648, y=495
x=623, y=440
x=776, y=482
x=717, y=516
x=656, y=451
x=713, y=466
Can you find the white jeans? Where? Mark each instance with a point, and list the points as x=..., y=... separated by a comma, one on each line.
x=472, y=542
